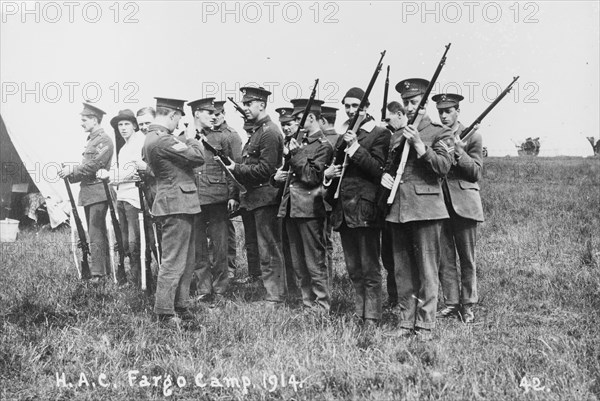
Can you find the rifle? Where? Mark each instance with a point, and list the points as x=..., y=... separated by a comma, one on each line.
x=121, y=276
x=299, y=135
x=144, y=187
x=400, y=158
x=238, y=108
x=358, y=118
x=145, y=249
x=224, y=161
x=464, y=135
x=83, y=244
x=385, y=95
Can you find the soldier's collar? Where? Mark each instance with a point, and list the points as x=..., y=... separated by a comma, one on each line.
x=159, y=127
x=314, y=137
x=94, y=134
x=262, y=121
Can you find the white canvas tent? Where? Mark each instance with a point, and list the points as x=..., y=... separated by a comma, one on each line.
x=573, y=145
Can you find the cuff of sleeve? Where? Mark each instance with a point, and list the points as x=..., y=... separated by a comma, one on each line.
x=352, y=149
x=327, y=182
x=425, y=155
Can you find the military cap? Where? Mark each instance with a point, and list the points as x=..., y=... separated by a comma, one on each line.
x=203, y=104
x=250, y=93
x=174, y=104
x=285, y=114
x=412, y=87
x=300, y=106
x=124, y=115
x=220, y=106
x=356, y=93
x=328, y=112
x=445, y=100
x=90, y=110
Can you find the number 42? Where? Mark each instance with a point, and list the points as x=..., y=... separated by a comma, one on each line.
x=534, y=384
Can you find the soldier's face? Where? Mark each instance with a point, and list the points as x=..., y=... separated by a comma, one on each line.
x=144, y=122
x=206, y=118
x=448, y=116
x=351, y=106
x=219, y=118
x=88, y=123
x=253, y=109
x=125, y=129
x=289, y=128
x=397, y=120
x=411, y=105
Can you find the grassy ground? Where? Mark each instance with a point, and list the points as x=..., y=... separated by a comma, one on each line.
x=537, y=334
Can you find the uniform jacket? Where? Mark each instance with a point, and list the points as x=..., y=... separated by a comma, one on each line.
x=97, y=155
x=234, y=141
x=214, y=186
x=357, y=202
x=302, y=193
x=419, y=195
x=172, y=161
x=460, y=185
x=261, y=157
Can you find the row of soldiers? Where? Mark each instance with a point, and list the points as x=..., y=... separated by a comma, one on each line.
x=292, y=195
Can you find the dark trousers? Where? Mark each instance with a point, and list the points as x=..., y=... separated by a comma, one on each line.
x=95, y=215
x=251, y=241
x=361, y=252
x=416, y=248
x=231, y=247
x=329, y=245
x=211, y=272
x=458, y=235
x=387, y=258
x=263, y=232
x=177, y=268
x=309, y=260
x=291, y=280
x=130, y=232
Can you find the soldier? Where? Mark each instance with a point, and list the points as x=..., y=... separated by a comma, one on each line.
x=459, y=233
x=172, y=160
x=97, y=155
x=395, y=121
x=355, y=214
x=261, y=156
x=218, y=196
x=327, y=123
x=303, y=208
x=416, y=214
x=128, y=200
x=236, y=149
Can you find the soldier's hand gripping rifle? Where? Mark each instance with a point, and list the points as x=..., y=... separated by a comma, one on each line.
x=464, y=136
x=121, y=276
x=385, y=95
x=400, y=158
x=224, y=161
x=341, y=157
x=299, y=135
x=83, y=244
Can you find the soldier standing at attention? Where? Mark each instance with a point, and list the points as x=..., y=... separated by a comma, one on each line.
x=172, y=160
x=355, y=214
x=235, y=142
x=416, y=214
x=459, y=233
x=303, y=207
x=261, y=157
x=217, y=196
x=97, y=155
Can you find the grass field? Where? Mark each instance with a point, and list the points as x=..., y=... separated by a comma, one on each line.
x=536, y=336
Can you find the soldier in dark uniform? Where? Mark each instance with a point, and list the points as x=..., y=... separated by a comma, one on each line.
x=261, y=157
x=327, y=123
x=355, y=214
x=172, y=160
x=235, y=142
x=416, y=214
x=395, y=121
x=218, y=195
x=459, y=233
x=303, y=207
x=97, y=155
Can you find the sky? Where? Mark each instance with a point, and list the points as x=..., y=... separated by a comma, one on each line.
x=53, y=55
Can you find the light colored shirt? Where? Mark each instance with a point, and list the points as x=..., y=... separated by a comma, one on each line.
x=130, y=153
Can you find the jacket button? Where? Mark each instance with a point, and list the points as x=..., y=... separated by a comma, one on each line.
x=291, y=185
x=401, y=181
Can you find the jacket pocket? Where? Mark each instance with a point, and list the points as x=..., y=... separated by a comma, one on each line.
x=368, y=211
x=427, y=189
x=468, y=185
x=187, y=188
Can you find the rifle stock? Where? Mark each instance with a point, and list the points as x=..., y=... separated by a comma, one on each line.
x=83, y=244
x=121, y=276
